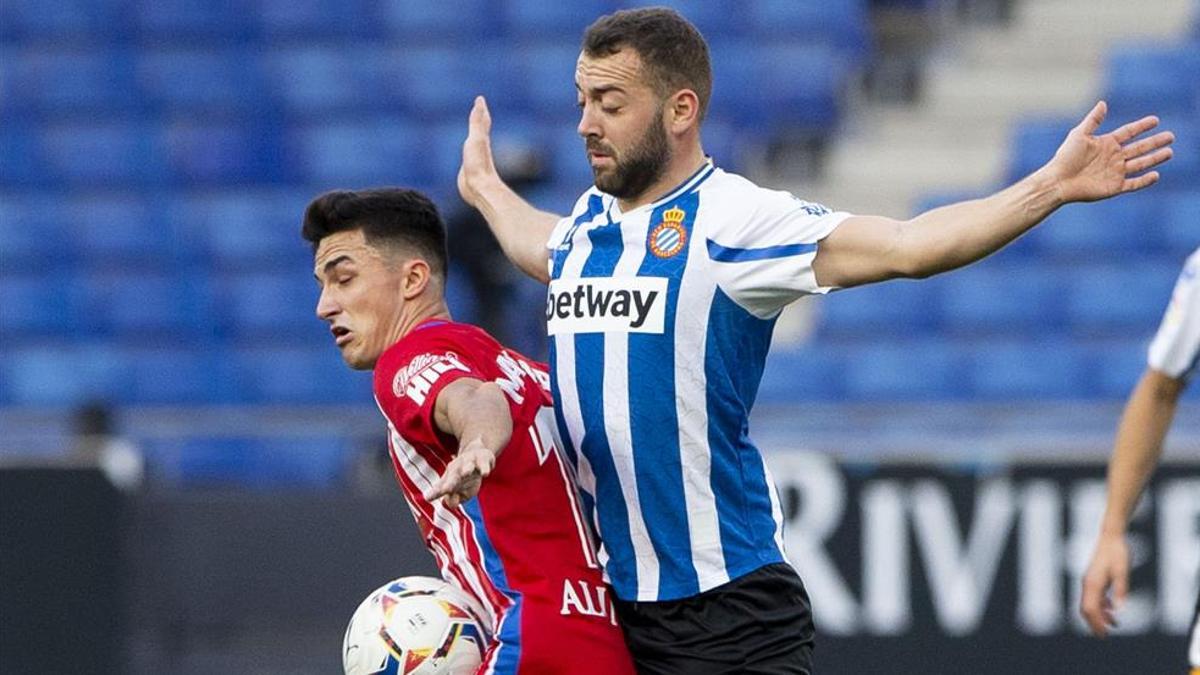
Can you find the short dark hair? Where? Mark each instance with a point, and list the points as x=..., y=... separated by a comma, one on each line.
x=387, y=216
x=673, y=52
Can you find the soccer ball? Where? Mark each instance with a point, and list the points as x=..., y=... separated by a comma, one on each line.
x=415, y=626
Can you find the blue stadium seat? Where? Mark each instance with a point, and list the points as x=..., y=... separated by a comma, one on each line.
x=247, y=229
x=991, y=299
x=896, y=308
x=287, y=20
x=18, y=156
x=1181, y=221
x=280, y=306
x=379, y=151
x=169, y=375
x=313, y=81
x=38, y=20
x=302, y=462
x=794, y=86
x=1120, y=227
x=814, y=372
x=1024, y=370
x=119, y=154
x=1034, y=143
x=1183, y=171
x=117, y=228
x=1117, y=364
x=58, y=374
x=443, y=81
x=43, y=80
x=842, y=24
x=32, y=231
x=926, y=369
x=222, y=153
x=166, y=20
x=1117, y=300
x=541, y=19
x=547, y=78
x=291, y=375
x=1155, y=79
x=35, y=305
x=146, y=306
x=191, y=81
x=569, y=161
x=713, y=18
x=440, y=22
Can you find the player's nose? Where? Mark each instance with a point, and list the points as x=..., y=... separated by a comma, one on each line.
x=326, y=307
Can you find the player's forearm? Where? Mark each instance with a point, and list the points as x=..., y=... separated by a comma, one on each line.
x=481, y=414
x=1138, y=446
x=521, y=229
x=952, y=236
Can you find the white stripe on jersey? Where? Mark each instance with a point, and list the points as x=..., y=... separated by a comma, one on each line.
x=704, y=526
x=1175, y=350
x=620, y=434
x=776, y=507
x=543, y=426
x=450, y=524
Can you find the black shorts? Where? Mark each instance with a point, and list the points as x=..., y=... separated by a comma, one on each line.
x=757, y=623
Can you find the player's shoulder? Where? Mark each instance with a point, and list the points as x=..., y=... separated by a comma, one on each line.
x=731, y=191
x=429, y=343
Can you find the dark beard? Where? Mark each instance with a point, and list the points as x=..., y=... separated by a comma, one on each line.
x=642, y=165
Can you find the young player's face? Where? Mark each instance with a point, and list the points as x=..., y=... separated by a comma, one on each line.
x=621, y=123
x=361, y=297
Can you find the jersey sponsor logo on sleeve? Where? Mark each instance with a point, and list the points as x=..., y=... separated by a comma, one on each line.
x=515, y=371
x=812, y=208
x=417, y=378
x=669, y=236
x=606, y=305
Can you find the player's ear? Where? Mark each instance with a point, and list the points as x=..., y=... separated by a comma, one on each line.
x=683, y=110
x=417, y=276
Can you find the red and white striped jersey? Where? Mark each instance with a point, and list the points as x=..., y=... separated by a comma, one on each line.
x=524, y=536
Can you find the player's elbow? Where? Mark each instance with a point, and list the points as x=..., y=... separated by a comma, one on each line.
x=1162, y=387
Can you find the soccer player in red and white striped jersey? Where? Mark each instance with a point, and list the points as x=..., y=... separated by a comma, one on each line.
x=472, y=437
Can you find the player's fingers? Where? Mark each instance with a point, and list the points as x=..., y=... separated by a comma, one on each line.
x=1140, y=164
x=1134, y=129
x=1140, y=182
x=1145, y=145
x=1095, y=117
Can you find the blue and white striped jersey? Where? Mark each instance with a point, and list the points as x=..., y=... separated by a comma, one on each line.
x=659, y=321
x=1175, y=350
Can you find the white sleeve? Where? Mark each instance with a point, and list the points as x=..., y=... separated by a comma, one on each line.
x=763, y=248
x=1176, y=346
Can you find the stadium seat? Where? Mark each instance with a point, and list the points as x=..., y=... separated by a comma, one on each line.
x=1154, y=79
x=547, y=76
x=210, y=20
x=569, y=160
x=1114, y=300
x=244, y=229
x=279, y=306
x=1003, y=300
x=440, y=22
x=119, y=154
x=38, y=20
x=58, y=375
x=1034, y=143
x=541, y=19
x=895, y=308
x=222, y=153
x=1181, y=221
x=713, y=18
x=109, y=229
x=443, y=81
x=290, y=20
x=297, y=375
x=378, y=151
x=35, y=305
x=302, y=462
x=842, y=24
x=1032, y=369
x=32, y=232
x=784, y=86
x=900, y=370
x=814, y=372
x=1117, y=364
x=145, y=306
x=1114, y=228
x=193, y=81
x=168, y=375
x=47, y=81
x=319, y=81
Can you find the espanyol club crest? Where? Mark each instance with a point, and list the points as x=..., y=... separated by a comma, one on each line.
x=669, y=237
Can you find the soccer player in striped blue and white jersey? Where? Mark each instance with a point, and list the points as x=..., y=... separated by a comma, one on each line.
x=664, y=285
x=1172, y=361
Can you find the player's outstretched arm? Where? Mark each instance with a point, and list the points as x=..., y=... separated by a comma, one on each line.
x=1086, y=167
x=1139, y=442
x=477, y=414
x=521, y=229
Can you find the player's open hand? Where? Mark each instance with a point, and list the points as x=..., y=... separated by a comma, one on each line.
x=478, y=167
x=1109, y=569
x=464, y=475
x=1088, y=167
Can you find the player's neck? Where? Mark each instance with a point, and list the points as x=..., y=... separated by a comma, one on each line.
x=682, y=167
x=420, y=314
